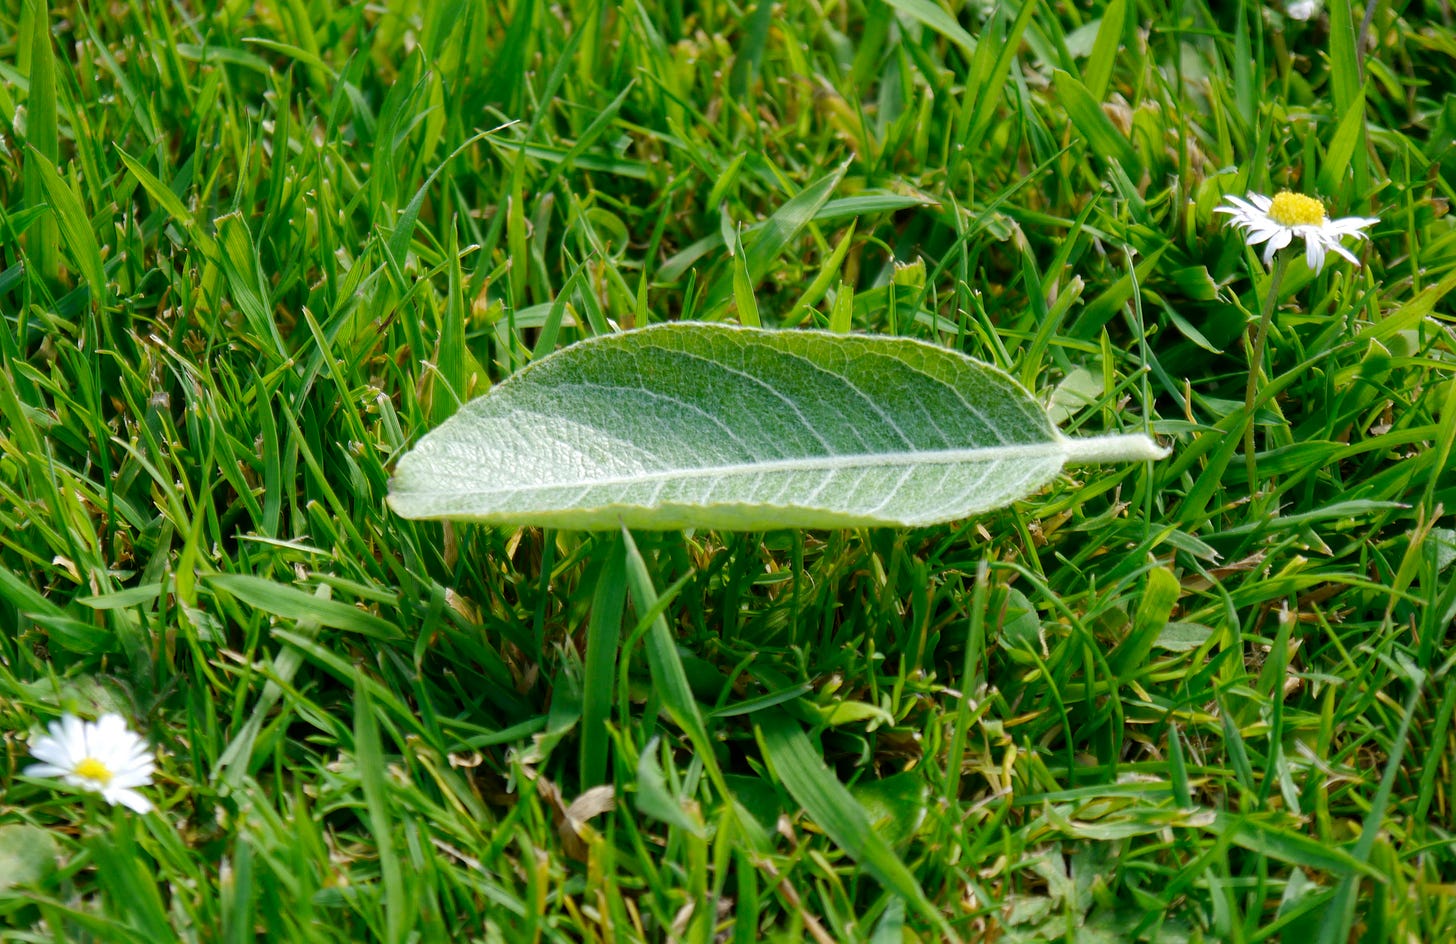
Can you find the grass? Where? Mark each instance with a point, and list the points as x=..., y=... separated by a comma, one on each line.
x=248, y=257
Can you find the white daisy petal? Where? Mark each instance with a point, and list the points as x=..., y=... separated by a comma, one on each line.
x=1345, y=252
x=130, y=799
x=71, y=732
x=46, y=770
x=103, y=757
x=1277, y=241
x=51, y=751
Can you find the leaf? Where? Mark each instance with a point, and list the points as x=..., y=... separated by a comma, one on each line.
x=1269, y=838
x=1183, y=637
x=991, y=66
x=1348, y=135
x=699, y=425
x=163, y=196
x=896, y=804
x=373, y=779
x=1346, y=80
x=28, y=855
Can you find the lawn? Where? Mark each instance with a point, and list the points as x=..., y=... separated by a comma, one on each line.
x=250, y=256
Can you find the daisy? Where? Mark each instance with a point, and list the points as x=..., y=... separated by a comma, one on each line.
x=102, y=756
x=1302, y=9
x=1276, y=221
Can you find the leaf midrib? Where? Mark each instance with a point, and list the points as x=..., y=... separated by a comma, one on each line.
x=849, y=462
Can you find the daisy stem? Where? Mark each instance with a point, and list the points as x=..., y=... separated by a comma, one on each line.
x=1256, y=365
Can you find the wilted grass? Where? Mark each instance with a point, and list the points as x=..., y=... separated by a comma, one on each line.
x=248, y=256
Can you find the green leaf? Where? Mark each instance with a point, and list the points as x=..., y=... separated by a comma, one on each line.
x=743, y=298
x=841, y=313
x=698, y=425
x=1282, y=842
x=988, y=74
x=1346, y=81
x=897, y=804
x=27, y=855
x=1183, y=637
x=382, y=815
x=821, y=282
x=169, y=201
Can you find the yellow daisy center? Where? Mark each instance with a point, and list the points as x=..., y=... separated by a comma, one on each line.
x=1295, y=209
x=93, y=769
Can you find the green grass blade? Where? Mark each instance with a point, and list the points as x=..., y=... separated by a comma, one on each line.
x=1287, y=844
x=603, y=634
x=42, y=136
x=129, y=883
x=771, y=239
x=989, y=75
x=292, y=603
x=1349, y=136
x=841, y=313
x=934, y=16
x=972, y=673
x=655, y=799
x=1340, y=916
x=743, y=299
x=1152, y=616
x=1346, y=80
x=373, y=778
x=666, y=665
x=244, y=271
x=1098, y=73
x=169, y=201
x=1085, y=112
x=797, y=764
x=74, y=224
x=822, y=280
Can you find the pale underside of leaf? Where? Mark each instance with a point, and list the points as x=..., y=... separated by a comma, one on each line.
x=699, y=425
